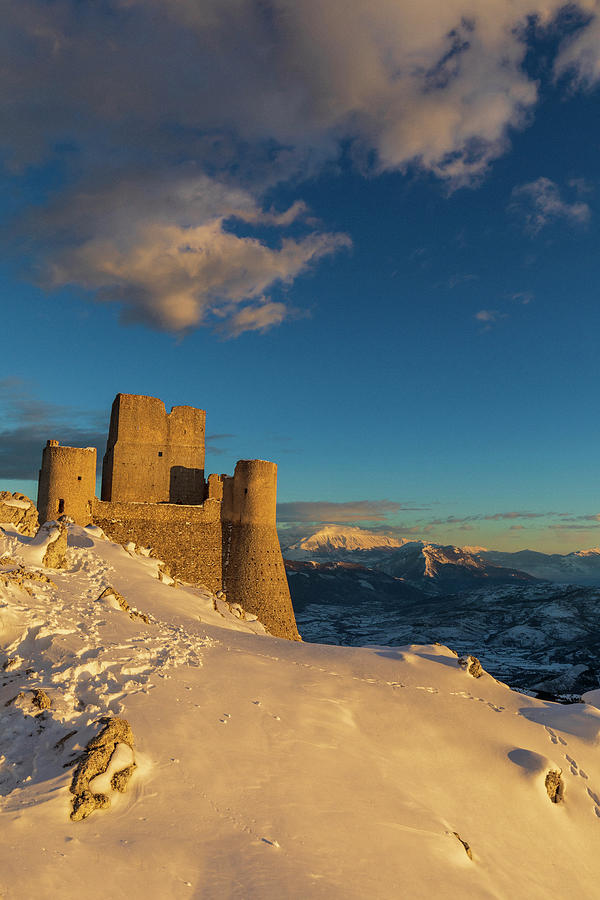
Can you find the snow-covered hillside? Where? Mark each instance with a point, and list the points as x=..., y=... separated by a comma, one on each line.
x=267, y=768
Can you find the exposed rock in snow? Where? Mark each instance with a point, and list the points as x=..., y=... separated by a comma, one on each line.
x=472, y=666
x=118, y=601
x=40, y=699
x=554, y=785
x=468, y=850
x=55, y=553
x=19, y=511
x=85, y=787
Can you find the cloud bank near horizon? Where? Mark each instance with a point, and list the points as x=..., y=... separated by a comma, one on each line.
x=170, y=123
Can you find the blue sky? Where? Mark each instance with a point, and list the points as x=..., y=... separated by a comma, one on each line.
x=365, y=243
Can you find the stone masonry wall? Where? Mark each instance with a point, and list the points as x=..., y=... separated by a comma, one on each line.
x=187, y=538
x=153, y=456
x=253, y=570
x=221, y=534
x=67, y=482
x=254, y=577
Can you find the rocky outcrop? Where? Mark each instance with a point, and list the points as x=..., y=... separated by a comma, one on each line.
x=40, y=699
x=15, y=573
x=18, y=510
x=110, y=593
x=55, y=555
x=554, y=785
x=471, y=665
x=96, y=761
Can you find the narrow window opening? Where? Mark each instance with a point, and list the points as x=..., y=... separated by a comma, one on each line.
x=61, y=506
x=160, y=452
x=79, y=478
x=245, y=490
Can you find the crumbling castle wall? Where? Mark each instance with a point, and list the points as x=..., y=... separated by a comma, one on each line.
x=153, y=456
x=67, y=483
x=221, y=534
x=253, y=570
x=186, y=538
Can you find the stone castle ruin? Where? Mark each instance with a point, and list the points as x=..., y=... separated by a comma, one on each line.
x=218, y=531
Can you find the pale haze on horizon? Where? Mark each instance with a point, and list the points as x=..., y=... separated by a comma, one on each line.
x=362, y=235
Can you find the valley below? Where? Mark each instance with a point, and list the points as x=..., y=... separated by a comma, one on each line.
x=538, y=635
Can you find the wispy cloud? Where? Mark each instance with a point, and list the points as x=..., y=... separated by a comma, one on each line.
x=324, y=512
x=540, y=203
x=457, y=280
x=213, y=441
x=591, y=517
x=573, y=526
x=494, y=517
x=523, y=297
x=28, y=423
x=488, y=315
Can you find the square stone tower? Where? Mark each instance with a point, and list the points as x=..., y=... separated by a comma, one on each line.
x=153, y=456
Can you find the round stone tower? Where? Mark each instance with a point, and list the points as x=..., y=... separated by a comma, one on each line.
x=253, y=571
x=67, y=483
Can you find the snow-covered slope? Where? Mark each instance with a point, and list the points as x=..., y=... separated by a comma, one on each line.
x=538, y=637
x=267, y=768
x=579, y=567
x=333, y=540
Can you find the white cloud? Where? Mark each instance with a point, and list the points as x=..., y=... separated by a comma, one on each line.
x=438, y=82
x=488, y=315
x=540, y=203
x=251, y=93
x=140, y=251
x=580, y=55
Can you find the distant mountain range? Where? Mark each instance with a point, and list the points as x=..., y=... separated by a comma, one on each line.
x=431, y=566
x=339, y=539
x=579, y=567
x=350, y=586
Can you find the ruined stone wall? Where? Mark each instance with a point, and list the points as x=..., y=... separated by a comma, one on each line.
x=153, y=456
x=255, y=577
x=67, y=483
x=253, y=571
x=187, y=538
x=221, y=535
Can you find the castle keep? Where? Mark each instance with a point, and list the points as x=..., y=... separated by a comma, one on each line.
x=218, y=531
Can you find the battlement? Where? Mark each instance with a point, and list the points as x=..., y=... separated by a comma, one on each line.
x=220, y=533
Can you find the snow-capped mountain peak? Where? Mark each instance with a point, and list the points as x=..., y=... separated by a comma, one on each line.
x=349, y=538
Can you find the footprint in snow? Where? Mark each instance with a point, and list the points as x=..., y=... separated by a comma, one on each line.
x=593, y=796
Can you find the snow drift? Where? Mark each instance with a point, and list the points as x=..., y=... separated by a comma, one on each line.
x=267, y=768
